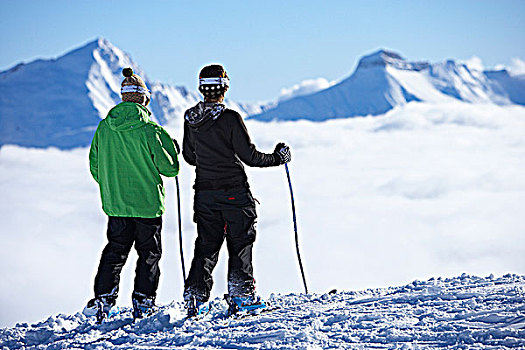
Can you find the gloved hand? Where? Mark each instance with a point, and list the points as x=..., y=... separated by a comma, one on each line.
x=177, y=148
x=282, y=152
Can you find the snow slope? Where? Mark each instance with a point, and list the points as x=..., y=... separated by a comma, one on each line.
x=60, y=102
x=384, y=80
x=424, y=190
x=462, y=312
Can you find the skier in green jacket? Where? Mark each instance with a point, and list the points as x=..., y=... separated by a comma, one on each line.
x=128, y=155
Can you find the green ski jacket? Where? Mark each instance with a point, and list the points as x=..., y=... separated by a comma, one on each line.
x=128, y=154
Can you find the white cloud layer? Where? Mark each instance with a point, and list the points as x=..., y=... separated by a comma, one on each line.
x=305, y=87
x=474, y=63
x=517, y=66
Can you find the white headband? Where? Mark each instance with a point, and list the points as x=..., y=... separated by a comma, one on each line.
x=135, y=88
x=214, y=81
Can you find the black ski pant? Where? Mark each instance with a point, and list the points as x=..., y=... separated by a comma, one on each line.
x=221, y=214
x=123, y=233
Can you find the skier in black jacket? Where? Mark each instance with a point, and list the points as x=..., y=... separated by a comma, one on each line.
x=216, y=142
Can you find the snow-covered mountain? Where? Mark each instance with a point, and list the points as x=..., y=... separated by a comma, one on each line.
x=59, y=102
x=384, y=80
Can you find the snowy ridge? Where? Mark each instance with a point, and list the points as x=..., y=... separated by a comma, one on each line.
x=105, y=74
x=384, y=80
x=169, y=102
x=466, y=311
x=59, y=102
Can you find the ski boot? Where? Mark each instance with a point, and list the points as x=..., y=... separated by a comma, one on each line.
x=100, y=306
x=196, y=307
x=249, y=303
x=143, y=305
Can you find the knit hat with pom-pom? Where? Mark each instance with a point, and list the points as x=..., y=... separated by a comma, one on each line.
x=213, y=81
x=133, y=88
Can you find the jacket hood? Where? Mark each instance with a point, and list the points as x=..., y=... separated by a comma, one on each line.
x=202, y=112
x=127, y=116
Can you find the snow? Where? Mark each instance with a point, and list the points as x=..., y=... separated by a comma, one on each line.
x=513, y=85
x=462, y=312
x=418, y=85
x=425, y=190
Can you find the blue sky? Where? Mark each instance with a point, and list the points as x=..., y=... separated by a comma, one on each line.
x=264, y=45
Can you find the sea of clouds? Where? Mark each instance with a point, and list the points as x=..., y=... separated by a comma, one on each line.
x=305, y=87
x=516, y=66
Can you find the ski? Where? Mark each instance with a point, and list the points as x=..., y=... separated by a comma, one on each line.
x=246, y=314
x=113, y=313
x=249, y=306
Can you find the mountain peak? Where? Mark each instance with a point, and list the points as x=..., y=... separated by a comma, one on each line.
x=103, y=53
x=104, y=44
x=386, y=55
x=99, y=43
x=381, y=58
x=384, y=58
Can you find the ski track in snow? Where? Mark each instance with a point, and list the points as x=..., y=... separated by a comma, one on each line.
x=465, y=312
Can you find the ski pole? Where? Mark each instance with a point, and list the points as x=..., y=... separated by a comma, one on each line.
x=295, y=227
x=180, y=231
x=177, y=149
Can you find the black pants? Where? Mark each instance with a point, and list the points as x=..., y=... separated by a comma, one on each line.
x=122, y=233
x=223, y=214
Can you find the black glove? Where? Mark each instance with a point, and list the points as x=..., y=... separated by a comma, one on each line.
x=177, y=148
x=282, y=153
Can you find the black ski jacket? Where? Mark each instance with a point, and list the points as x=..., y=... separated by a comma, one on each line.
x=216, y=141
